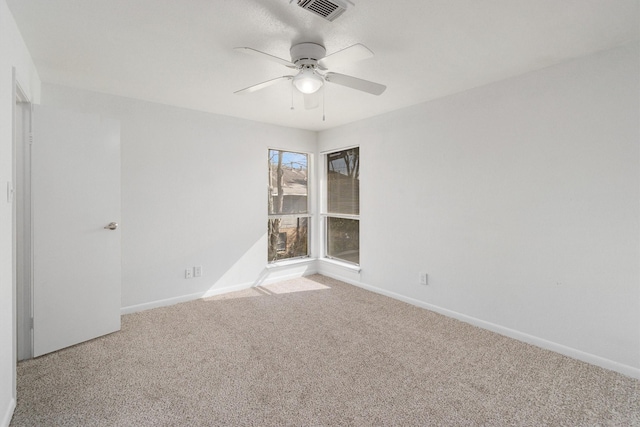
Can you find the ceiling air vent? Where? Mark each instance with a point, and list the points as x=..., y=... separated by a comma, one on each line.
x=328, y=9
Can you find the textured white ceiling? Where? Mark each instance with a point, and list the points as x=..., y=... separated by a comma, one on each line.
x=181, y=52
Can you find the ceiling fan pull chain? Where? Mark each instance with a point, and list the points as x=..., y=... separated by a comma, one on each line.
x=292, y=96
x=324, y=95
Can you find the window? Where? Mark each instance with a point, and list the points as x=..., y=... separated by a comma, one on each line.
x=288, y=224
x=342, y=216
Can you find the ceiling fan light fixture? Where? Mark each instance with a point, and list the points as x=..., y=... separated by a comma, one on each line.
x=307, y=81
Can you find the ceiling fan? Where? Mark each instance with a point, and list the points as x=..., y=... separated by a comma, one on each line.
x=312, y=65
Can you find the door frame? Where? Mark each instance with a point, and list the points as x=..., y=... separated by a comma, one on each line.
x=22, y=224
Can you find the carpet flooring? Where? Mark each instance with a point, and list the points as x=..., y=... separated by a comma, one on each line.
x=314, y=352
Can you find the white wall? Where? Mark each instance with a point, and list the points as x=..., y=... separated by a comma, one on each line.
x=194, y=192
x=520, y=199
x=13, y=55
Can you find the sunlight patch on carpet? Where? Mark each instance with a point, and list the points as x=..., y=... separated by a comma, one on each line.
x=273, y=289
x=295, y=286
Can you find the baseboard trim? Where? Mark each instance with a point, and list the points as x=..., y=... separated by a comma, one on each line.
x=592, y=359
x=265, y=280
x=182, y=298
x=6, y=419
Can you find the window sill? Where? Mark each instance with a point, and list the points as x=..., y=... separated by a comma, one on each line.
x=348, y=266
x=289, y=263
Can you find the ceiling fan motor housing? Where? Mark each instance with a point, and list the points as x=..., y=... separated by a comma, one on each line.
x=307, y=54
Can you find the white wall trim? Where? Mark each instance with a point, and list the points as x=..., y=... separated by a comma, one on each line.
x=265, y=280
x=6, y=418
x=592, y=359
x=177, y=300
x=289, y=263
x=342, y=264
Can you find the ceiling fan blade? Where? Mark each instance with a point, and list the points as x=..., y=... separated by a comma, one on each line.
x=311, y=100
x=354, y=53
x=263, y=85
x=355, y=83
x=259, y=54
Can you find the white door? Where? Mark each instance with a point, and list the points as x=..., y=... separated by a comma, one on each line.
x=76, y=260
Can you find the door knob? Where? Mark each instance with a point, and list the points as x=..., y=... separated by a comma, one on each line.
x=111, y=226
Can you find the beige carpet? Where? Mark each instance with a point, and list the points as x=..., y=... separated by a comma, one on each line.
x=314, y=352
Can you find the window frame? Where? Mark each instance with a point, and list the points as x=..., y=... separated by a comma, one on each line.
x=325, y=214
x=308, y=214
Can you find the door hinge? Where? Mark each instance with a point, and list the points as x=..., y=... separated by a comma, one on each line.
x=31, y=321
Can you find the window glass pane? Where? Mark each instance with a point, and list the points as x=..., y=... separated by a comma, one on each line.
x=343, y=239
x=288, y=238
x=343, y=182
x=287, y=182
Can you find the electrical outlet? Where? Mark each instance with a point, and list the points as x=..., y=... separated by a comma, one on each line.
x=424, y=279
x=197, y=271
x=188, y=273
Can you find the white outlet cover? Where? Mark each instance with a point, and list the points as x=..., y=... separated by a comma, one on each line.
x=424, y=279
